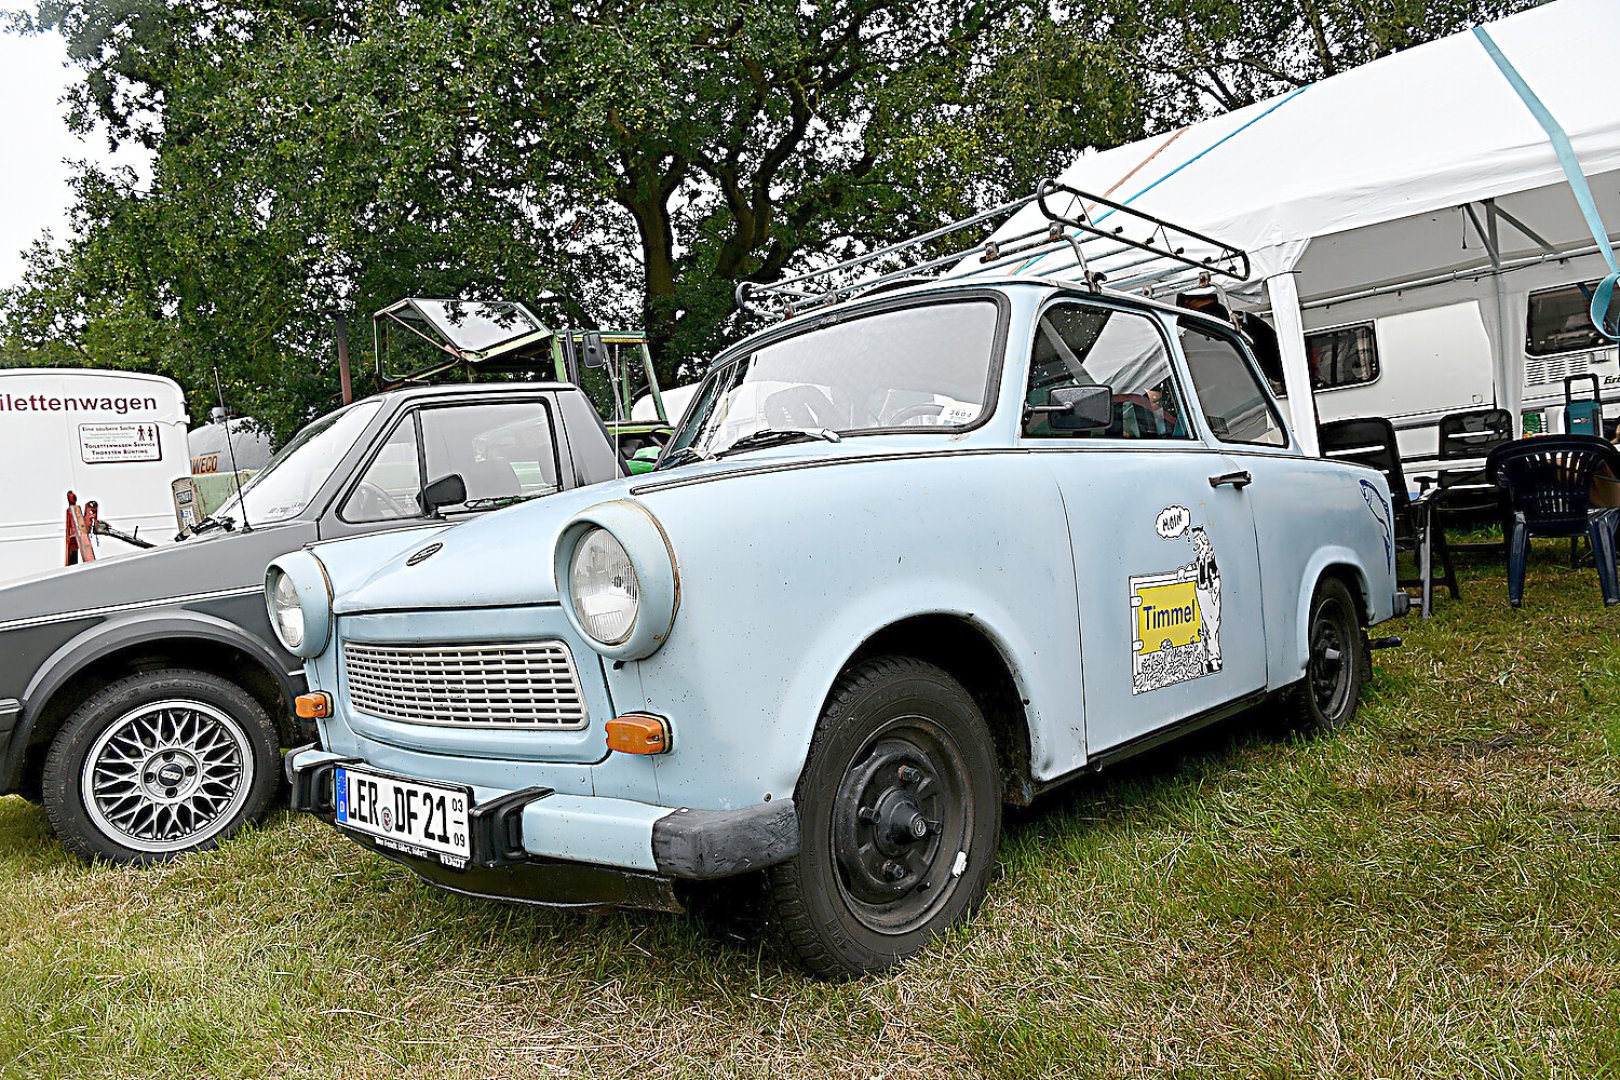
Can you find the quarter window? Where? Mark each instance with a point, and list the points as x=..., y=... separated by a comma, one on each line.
x=1560, y=321
x=1229, y=390
x=1080, y=345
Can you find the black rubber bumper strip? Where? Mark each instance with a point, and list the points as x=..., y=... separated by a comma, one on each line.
x=701, y=845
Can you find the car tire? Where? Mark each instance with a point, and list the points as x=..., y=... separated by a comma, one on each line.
x=1335, y=664
x=160, y=764
x=899, y=815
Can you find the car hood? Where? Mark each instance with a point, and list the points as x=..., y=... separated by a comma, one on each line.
x=505, y=558
x=207, y=565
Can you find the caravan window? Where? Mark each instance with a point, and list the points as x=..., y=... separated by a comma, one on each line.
x=1343, y=356
x=1560, y=321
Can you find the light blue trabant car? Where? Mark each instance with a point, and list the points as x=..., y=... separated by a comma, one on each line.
x=910, y=557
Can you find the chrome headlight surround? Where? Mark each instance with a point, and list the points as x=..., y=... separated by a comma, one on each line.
x=296, y=587
x=652, y=559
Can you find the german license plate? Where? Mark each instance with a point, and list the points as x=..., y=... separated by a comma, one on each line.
x=428, y=820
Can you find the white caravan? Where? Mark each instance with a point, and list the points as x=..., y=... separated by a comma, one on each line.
x=117, y=438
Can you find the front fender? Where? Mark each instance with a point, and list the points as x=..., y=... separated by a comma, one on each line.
x=785, y=576
x=121, y=634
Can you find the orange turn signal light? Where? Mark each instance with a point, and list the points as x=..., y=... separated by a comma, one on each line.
x=316, y=705
x=638, y=733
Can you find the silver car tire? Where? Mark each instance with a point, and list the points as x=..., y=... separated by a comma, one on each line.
x=160, y=764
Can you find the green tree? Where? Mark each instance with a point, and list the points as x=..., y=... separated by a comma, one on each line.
x=1217, y=55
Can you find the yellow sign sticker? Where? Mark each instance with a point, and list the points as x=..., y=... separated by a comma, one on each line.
x=1167, y=615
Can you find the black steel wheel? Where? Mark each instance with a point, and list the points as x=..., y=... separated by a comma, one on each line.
x=900, y=813
x=1335, y=663
x=159, y=764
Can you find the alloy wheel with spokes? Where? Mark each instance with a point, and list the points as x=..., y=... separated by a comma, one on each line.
x=167, y=775
x=158, y=764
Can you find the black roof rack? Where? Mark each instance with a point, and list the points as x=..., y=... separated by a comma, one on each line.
x=1106, y=241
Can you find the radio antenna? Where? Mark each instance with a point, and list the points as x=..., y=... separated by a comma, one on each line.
x=230, y=448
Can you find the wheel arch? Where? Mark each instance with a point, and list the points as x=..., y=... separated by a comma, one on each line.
x=973, y=655
x=114, y=650
x=1340, y=563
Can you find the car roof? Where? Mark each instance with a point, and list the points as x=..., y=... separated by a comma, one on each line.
x=471, y=389
x=964, y=283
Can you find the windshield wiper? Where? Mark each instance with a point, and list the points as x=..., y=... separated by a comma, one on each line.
x=779, y=437
x=684, y=454
x=497, y=502
x=215, y=521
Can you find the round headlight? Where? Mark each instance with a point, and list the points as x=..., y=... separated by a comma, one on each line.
x=602, y=583
x=286, y=609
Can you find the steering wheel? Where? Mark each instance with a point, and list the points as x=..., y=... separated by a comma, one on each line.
x=374, y=504
x=799, y=406
x=916, y=412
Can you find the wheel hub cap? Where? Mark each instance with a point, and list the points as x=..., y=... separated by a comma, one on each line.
x=167, y=775
x=899, y=823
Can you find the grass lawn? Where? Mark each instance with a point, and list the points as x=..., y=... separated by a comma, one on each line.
x=1431, y=892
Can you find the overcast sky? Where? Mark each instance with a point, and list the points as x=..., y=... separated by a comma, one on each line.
x=34, y=191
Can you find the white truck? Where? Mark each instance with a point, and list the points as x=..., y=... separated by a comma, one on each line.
x=116, y=438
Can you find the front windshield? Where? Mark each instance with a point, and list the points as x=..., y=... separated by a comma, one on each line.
x=283, y=488
x=925, y=367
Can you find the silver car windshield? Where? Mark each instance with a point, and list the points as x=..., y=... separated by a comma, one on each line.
x=284, y=487
x=920, y=368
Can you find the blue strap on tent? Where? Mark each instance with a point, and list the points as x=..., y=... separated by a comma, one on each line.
x=1602, y=295
x=1224, y=139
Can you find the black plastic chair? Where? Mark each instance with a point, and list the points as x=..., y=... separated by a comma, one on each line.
x=1370, y=441
x=1471, y=435
x=1548, y=481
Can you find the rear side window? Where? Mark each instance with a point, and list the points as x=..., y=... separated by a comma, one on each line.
x=1560, y=321
x=1229, y=390
x=1080, y=345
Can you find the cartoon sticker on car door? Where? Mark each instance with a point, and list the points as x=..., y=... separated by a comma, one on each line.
x=1177, y=613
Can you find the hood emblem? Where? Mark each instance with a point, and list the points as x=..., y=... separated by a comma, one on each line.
x=423, y=555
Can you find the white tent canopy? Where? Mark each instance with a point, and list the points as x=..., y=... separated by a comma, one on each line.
x=1365, y=179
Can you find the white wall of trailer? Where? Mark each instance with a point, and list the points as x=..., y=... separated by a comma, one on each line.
x=118, y=438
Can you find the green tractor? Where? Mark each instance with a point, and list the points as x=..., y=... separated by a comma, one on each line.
x=417, y=340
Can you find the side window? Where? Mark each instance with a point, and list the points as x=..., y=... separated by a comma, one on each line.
x=1080, y=345
x=504, y=453
x=1228, y=389
x=391, y=488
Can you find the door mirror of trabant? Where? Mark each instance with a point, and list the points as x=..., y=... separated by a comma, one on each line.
x=592, y=353
x=1075, y=408
x=445, y=491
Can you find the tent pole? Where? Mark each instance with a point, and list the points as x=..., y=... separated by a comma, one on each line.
x=1509, y=358
x=1285, y=312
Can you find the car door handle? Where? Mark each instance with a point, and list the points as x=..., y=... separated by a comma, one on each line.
x=1239, y=479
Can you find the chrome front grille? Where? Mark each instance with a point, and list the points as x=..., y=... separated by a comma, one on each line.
x=516, y=684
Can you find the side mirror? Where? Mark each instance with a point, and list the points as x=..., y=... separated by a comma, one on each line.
x=1076, y=408
x=445, y=491
x=592, y=353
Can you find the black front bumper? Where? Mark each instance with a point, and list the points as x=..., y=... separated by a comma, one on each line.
x=688, y=845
